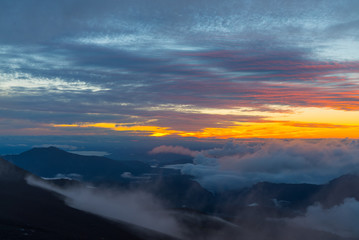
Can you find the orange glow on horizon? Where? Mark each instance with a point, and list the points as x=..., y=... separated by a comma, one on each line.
x=153, y=131
x=276, y=130
x=247, y=130
x=300, y=123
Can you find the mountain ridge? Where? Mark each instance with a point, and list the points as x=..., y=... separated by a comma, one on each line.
x=50, y=161
x=248, y=207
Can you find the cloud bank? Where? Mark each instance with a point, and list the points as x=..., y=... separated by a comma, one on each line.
x=236, y=165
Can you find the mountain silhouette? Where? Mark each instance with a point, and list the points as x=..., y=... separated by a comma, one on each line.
x=50, y=161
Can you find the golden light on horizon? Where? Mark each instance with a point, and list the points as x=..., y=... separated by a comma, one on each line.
x=301, y=123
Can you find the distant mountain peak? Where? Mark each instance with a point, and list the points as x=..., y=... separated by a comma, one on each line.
x=50, y=148
x=350, y=177
x=50, y=161
x=45, y=151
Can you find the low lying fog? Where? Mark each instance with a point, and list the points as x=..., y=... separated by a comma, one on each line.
x=134, y=207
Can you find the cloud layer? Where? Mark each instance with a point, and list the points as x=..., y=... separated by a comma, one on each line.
x=236, y=165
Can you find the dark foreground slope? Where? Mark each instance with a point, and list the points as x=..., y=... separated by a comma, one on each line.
x=28, y=212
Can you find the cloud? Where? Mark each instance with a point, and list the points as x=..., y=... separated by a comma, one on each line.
x=236, y=165
x=69, y=176
x=91, y=153
x=173, y=149
x=135, y=207
x=20, y=84
x=341, y=219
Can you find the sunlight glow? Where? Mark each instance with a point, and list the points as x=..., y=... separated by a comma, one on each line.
x=304, y=123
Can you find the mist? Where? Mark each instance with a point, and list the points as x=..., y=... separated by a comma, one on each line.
x=135, y=207
x=341, y=219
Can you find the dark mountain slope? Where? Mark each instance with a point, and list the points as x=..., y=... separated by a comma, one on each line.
x=11, y=173
x=334, y=193
x=180, y=191
x=276, y=200
x=28, y=212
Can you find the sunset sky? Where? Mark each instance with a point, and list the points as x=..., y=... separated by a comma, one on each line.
x=205, y=69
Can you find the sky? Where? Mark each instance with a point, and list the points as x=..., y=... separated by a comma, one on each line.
x=181, y=69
